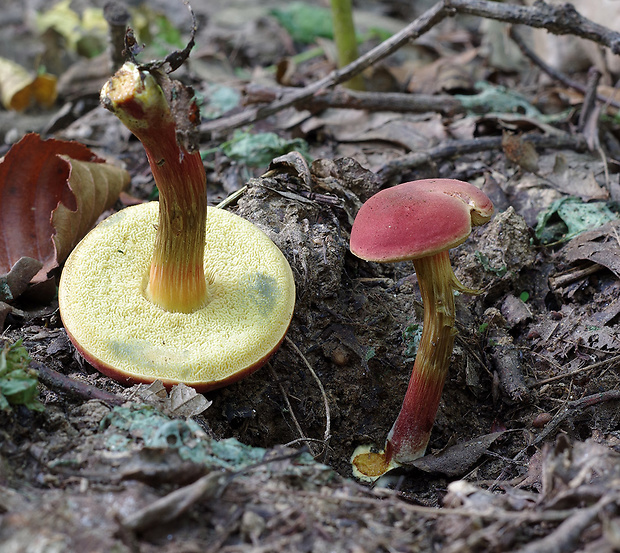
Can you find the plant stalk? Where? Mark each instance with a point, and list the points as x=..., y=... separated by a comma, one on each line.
x=346, y=40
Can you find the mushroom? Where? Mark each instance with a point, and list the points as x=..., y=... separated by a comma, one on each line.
x=173, y=290
x=421, y=221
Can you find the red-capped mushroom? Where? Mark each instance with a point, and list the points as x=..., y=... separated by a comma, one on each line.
x=419, y=221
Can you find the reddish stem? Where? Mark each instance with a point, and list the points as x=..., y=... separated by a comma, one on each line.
x=177, y=278
x=410, y=433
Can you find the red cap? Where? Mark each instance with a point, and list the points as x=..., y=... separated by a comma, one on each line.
x=418, y=219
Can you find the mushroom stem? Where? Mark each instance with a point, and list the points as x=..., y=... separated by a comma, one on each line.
x=411, y=431
x=409, y=436
x=177, y=277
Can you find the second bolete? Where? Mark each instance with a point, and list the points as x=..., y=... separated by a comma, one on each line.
x=419, y=221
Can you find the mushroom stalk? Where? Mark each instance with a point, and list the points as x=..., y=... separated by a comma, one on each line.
x=409, y=436
x=177, y=278
x=411, y=431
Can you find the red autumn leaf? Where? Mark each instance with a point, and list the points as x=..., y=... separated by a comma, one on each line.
x=51, y=194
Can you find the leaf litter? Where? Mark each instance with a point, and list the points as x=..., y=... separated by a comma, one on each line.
x=178, y=476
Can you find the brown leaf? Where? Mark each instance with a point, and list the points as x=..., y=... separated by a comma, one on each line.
x=458, y=459
x=520, y=152
x=51, y=194
x=601, y=245
x=19, y=88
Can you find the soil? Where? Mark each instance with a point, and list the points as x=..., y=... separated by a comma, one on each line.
x=526, y=440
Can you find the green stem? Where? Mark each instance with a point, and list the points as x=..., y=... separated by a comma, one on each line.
x=346, y=40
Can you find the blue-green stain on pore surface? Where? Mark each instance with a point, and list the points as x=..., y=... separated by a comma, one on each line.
x=262, y=291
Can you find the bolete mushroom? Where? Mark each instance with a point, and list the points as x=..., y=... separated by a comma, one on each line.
x=173, y=290
x=421, y=221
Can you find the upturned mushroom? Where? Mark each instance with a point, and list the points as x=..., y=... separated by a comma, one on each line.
x=173, y=290
x=419, y=221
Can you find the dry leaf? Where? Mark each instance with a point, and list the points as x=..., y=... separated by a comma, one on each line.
x=601, y=245
x=520, y=152
x=458, y=459
x=51, y=194
x=19, y=88
x=182, y=401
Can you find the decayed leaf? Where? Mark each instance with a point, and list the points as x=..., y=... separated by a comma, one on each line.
x=51, y=193
x=458, y=459
x=601, y=245
x=19, y=88
x=182, y=401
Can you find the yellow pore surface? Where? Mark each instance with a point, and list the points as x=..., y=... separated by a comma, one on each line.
x=103, y=307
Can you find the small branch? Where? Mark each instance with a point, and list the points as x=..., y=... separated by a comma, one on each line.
x=554, y=73
x=303, y=437
x=605, y=362
x=353, y=99
x=59, y=382
x=327, y=434
x=456, y=148
x=571, y=407
x=561, y=19
x=565, y=536
x=171, y=506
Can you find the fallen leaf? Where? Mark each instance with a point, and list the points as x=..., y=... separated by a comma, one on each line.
x=576, y=218
x=19, y=88
x=51, y=194
x=15, y=282
x=458, y=459
x=182, y=401
x=601, y=245
x=573, y=173
x=520, y=152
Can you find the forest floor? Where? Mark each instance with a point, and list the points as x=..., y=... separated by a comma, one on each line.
x=525, y=451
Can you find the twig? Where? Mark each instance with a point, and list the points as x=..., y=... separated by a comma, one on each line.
x=415, y=29
x=303, y=437
x=492, y=513
x=565, y=536
x=589, y=100
x=596, y=365
x=180, y=500
x=554, y=73
x=456, y=148
x=177, y=502
x=327, y=434
x=353, y=99
x=560, y=19
x=57, y=381
x=571, y=407
x=573, y=275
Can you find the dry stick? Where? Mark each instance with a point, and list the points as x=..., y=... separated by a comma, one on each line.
x=573, y=275
x=596, y=365
x=557, y=75
x=303, y=437
x=327, y=434
x=570, y=407
x=491, y=513
x=415, y=29
x=57, y=381
x=354, y=99
x=455, y=148
x=565, y=536
x=169, y=507
x=562, y=19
